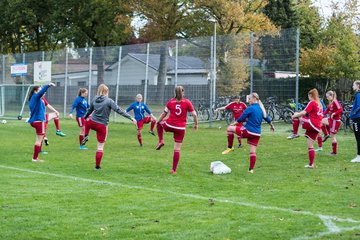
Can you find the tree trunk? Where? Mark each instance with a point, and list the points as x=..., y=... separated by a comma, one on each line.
x=162, y=74
x=98, y=56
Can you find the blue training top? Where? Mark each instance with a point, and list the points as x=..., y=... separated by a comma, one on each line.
x=139, y=110
x=81, y=106
x=37, y=106
x=253, y=116
x=355, y=110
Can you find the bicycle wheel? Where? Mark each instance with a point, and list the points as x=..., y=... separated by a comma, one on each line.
x=270, y=113
x=287, y=115
x=229, y=118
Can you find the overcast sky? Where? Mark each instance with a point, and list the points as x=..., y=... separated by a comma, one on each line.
x=324, y=6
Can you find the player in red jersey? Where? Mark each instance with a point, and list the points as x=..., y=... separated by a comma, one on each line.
x=177, y=107
x=310, y=119
x=331, y=124
x=237, y=108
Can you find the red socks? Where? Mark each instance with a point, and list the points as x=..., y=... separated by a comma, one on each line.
x=334, y=146
x=160, y=132
x=325, y=130
x=37, y=150
x=152, y=125
x=57, y=123
x=252, y=160
x=139, y=138
x=98, y=157
x=296, y=124
x=319, y=140
x=311, y=156
x=230, y=136
x=176, y=158
x=81, y=137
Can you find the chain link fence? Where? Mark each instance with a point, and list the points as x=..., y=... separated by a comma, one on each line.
x=211, y=69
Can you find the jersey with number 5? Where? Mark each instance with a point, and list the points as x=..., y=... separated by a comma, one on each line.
x=178, y=112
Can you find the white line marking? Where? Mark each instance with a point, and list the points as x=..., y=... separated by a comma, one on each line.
x=327, y=220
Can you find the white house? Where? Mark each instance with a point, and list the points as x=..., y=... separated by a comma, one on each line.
x=190, y=70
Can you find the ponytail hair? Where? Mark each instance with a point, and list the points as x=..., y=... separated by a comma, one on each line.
x=179, y=92
x=81, y=91
x=256, y=96
x=103, y=90
x=315, y=95
x=332, y=94
x=33, y=90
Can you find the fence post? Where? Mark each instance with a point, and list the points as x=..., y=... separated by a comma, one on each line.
x=251, y=61
x=2, y=110
x=214, y=68
x=176, y=61
x=118, y=79
x=297, y=67
x=42, y=56
x=146, y=71
x=90, y=74
x=66, y=77
x=212, y=74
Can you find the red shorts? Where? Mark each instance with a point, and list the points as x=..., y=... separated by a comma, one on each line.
x=80, y=121
x=310, y=132
x=100, y=129
x=39, y=127
x=334, y=125
x=179, y=134
x=239, y=124
x=251, y=138
x=140, y=123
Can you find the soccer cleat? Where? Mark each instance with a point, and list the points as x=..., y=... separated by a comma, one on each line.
x=325, y=138
x=357, y=159
x=173, y=172
x=319, y=149
x=44, y=152
x=141, y=145
x=292, y=136
x=37, y=160
x=46, y=141
x=97, y=168
x=83, y=142
x=152, y=133
x=332, y=154
x=159, y=146
x=82, y=147
x=60, y=133
x=309, y=166
x=240, y=145
x=251, y=171
x=228, y=150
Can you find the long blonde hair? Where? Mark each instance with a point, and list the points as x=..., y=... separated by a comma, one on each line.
x=179, y=92
x=256, y=96
x=315, y=95
x=332, y=94
x=103, y=90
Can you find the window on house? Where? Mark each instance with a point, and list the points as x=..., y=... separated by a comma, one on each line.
x=168, y=81
x=82, y=84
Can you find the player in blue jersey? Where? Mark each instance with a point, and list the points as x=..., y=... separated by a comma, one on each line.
x=37, y=117
x=253, y=116
x=139, y=109
x=355, y=117
x=81, y=106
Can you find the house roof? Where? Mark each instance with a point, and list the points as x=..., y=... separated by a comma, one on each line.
x=186, y=64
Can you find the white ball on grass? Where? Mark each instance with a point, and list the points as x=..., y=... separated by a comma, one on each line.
x=3, y=121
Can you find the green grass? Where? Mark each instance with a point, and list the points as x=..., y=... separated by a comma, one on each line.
x=134, y=196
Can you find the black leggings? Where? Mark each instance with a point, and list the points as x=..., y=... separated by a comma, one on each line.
x=356, y=126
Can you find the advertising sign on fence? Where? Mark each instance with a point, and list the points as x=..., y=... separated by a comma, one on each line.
x=18, y=69
x=42, y=72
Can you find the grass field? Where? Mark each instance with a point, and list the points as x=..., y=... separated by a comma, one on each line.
x=134, y=196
